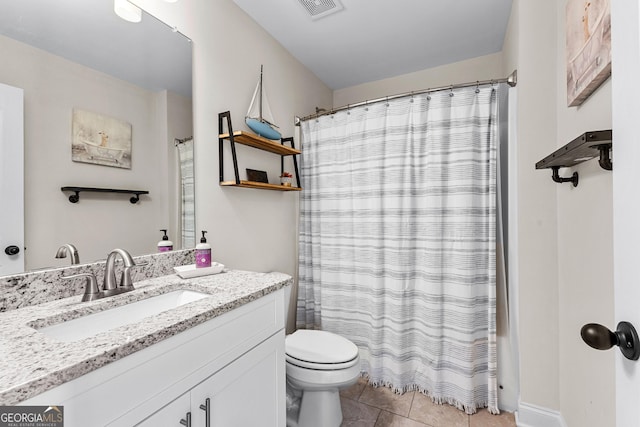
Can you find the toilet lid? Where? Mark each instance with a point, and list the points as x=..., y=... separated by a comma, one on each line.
x=320, y=347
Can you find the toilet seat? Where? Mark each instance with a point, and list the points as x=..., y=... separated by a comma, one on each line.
x=320, y=350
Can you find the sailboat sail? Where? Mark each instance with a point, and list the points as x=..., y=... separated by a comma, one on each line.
x=259, y=117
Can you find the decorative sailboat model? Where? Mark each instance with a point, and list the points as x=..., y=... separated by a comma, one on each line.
x=259, y=117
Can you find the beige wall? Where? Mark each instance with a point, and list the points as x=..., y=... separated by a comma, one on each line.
x=53, y=87
x=565, y=268
x=530, y=47
x=248, y=229
x=585, y=259
x=482, y=68
x=178, y=115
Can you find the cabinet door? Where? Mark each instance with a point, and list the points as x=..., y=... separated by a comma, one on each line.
x=171, y=414
x=248, y=392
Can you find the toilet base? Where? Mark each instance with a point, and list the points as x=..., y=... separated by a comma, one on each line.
x=319, y=394
x=320, y=409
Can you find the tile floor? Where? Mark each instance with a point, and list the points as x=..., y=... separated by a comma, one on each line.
x=366, y=406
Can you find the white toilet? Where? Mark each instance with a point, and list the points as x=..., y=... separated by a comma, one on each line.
x=319, y=364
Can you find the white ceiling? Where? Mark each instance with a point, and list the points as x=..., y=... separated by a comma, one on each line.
x=148, y=54
x=370, y=40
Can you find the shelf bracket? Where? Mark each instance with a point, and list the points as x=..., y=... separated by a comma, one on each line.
x=585, y=147
x=557, y=178
x=295, y=161
x=221, y=116
x=605, y=159
x=74, y=198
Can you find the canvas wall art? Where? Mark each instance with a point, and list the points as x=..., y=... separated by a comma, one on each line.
x=588, y=47
x=100, y=140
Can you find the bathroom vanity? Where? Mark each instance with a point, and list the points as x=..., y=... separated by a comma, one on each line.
x=218, y=360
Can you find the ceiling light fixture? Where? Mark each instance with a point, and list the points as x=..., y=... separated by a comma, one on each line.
x=171, y=1
x=127, y=11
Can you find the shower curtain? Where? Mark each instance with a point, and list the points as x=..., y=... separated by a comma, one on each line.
x=397, y=246
x=187, y=210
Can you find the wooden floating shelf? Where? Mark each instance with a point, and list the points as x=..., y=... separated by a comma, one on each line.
x=260, y=185
x=252, y=140
x=582, y=148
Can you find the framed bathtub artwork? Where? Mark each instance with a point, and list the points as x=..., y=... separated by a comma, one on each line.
x=588, y=54
x=100, y=140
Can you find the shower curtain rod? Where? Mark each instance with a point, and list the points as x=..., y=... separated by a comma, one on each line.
x=511, y=80
x=178, y=141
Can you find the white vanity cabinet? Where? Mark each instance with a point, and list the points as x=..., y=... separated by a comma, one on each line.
x=235, y=360
x=248, y=392
x=171, y=414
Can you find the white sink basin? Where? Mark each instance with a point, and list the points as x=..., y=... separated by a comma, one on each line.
x=92, y=324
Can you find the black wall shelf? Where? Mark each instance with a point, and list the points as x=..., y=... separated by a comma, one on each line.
x=585, y=147
x=74, y=198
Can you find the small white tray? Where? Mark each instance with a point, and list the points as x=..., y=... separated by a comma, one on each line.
x=188, y=271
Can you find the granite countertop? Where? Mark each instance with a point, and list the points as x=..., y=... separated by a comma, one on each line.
x=31, y=363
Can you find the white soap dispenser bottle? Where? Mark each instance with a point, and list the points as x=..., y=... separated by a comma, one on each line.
x=165, y=245
x=203, y=253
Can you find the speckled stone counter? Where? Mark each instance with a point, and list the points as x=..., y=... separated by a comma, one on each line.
x=31, y=363
x=38, y=286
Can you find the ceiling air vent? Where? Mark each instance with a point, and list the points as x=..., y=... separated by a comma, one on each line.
x=321, y=8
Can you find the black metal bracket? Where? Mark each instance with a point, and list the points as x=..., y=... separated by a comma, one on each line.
x=557, y=178
x=74, y=198
x=295, y=160
x=585, y=147
x=605, y=159
x=232, y=142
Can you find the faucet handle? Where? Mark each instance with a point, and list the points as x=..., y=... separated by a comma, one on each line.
x=125, y=279
x=91, y=291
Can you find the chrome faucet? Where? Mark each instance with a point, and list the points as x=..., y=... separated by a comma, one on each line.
x=73, y=253
x=110, y=286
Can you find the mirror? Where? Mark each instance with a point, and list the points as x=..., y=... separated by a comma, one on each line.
x=72, y=55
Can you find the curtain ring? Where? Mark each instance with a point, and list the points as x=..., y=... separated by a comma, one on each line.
x=348, y=112
x=411, y=97
x=477, y=86
x=366, y=105
x=387, y=101
x=451, y=90
x=428, y=94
